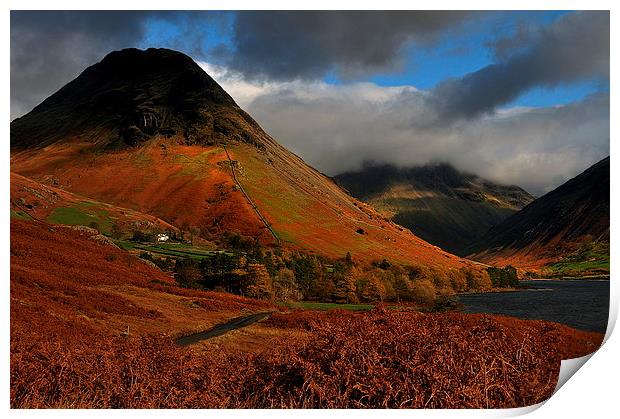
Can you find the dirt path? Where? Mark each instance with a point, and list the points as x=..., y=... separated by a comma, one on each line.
x=220, y=329
x=260, y=215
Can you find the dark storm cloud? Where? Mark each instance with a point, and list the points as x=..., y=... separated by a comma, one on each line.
x=50, y=48
x=574, y=48
x=286, y=45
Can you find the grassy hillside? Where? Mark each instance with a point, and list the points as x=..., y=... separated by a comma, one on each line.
x=590, y=259
x=192, y=188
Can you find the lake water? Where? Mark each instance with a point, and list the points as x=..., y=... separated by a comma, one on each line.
x=582, y=304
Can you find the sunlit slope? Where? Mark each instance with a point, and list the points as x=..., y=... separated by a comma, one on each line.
x=187, y=186
x=308, y=210
x=31, y=200
x=193, y=187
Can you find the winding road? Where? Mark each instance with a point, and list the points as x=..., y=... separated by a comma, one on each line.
x=220, y=329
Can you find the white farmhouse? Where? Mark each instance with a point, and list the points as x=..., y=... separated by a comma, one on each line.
x=162, y=237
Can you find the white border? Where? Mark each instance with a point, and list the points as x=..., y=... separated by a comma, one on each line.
x=592, y=393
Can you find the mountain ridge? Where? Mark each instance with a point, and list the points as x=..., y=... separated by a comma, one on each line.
x=132, y=95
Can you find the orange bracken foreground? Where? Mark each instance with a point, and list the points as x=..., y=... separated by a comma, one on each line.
x=73, y=297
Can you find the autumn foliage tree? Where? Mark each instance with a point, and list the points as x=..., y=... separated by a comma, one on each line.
x=187, y=273
x=259, y=282
x=345, y=288
x=285, y=286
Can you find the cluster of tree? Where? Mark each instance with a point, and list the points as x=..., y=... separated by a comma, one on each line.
x=270, y=275
x=221, y=271
x=505, y=277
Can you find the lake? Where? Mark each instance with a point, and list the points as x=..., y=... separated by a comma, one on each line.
x=582, y=304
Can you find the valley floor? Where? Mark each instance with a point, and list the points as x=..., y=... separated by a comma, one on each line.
x=92, y=326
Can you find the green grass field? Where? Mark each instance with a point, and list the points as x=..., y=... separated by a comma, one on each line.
x=590, y=258
x=82, y=214
x=177, y=250
x=20, y=215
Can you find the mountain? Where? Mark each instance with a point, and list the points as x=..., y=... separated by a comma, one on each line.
x=132, y=96
x=554, y=226
x=438, y=203
x=151, y=131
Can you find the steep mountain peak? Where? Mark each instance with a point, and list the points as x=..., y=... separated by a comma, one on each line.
x=132, y=95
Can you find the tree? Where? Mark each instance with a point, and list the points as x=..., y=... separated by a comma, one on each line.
x=260, y=285
x=402, y=287
x=187, y=273
x=285, y=286
x=477, y=279
x=423, y=291
x=459, y=279
x=348, y=260
x=307, y=271
x=345, y=289
x=503, y=277
x=375, y=290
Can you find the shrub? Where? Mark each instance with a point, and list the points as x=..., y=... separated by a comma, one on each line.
x=447, y=303
x=384, y=264
x=477, y=279
x=423, y=291
x=116, y=232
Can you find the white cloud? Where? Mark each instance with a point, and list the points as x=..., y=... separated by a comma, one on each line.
x=337, y=127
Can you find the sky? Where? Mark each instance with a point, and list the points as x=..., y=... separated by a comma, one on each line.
x=517, y=97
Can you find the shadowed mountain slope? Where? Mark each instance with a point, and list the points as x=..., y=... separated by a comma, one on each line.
x=554, y=225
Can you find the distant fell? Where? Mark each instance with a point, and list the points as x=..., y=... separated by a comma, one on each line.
x=441, y=204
